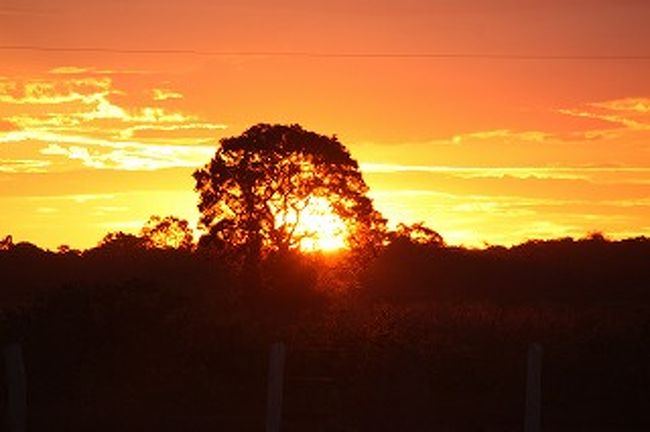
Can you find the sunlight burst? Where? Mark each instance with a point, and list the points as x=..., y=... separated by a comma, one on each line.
x=318, y=228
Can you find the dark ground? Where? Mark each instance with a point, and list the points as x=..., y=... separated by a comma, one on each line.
x=417, y=338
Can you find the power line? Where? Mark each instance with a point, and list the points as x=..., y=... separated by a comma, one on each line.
x=319, y=54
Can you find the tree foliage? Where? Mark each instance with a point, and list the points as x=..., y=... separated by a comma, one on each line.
x=167, y=232
x=121, y=241
x=257, y=184
x=6, y=243
x=417, y=233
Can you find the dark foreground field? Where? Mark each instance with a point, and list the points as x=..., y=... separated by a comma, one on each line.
x=416, y=338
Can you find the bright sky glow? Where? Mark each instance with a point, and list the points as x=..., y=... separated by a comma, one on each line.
x=483, y=150
x=318, y=227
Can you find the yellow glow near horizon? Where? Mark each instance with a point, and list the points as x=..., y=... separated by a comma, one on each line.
x=517, y=152
x=318, y=227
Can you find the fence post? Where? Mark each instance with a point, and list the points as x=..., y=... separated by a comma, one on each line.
x=533, y=420
x=16, y=388
x=276, y=378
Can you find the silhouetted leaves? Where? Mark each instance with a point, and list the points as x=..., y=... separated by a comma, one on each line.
x=274, y=170
x=168, y=232
x=6, y=243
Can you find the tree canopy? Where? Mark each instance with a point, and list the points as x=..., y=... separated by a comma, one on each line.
x=417, y=233
x=258, y=186
x=169, y=232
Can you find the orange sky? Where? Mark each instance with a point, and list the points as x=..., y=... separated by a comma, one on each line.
x=482, y=149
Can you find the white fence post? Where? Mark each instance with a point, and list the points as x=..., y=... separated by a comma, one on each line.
x=16, y=388
x=275, y=384
x=533, y=420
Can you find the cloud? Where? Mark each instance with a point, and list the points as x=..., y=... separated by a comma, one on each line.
x=68, y=70
x=165, y=94
x=129, y=156
x=638, y=105
x=631, y=113
x=77, y=70
x=76, y=198
x=502, y=134
x=83, y=123
x=473, y=218
x=559, y=172
x=23, y=165
x=103, y=109
x=112, y=209
x=48, y=92
x=620, y=120
x=106, y=154
x=187, y=127
x=483, y=138
x=158, y=115
x=108, y=119
x=80, y=103
x=47, y=210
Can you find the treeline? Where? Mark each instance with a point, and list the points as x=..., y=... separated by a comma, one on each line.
x=588, y=271
x=135, y=335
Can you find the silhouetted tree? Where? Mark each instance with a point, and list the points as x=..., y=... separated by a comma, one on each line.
x=257, y=179
x=121, y=241
x=6, y=243
x=169, y=232
x=65, y=249
x=418, y=233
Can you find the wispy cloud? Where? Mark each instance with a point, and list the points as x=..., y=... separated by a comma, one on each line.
x=93, y=71
x=47, y=92
x=84, y=123
x=502, y=134
x=47, y=210
x=69, y=70
x=131, y=131
x=76, y=198
x=638, y=105
x=560, y=172
x=160, y=94
x=620, y=120
x=538, y=183
x=132, y=157
x=472, y=219
x=631, y=113
x=23, y=165
x=107, y=154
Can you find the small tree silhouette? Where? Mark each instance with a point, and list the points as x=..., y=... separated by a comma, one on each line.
x=120, y=241
x=6, y=243
x=417, y=233
x=274, y=170
x=167, y=232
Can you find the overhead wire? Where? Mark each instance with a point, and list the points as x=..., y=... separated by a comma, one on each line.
x=326, y=54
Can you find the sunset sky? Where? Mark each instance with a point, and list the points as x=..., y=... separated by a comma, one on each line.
x=491, y=121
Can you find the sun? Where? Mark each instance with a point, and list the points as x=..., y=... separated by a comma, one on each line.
x=318, y=227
